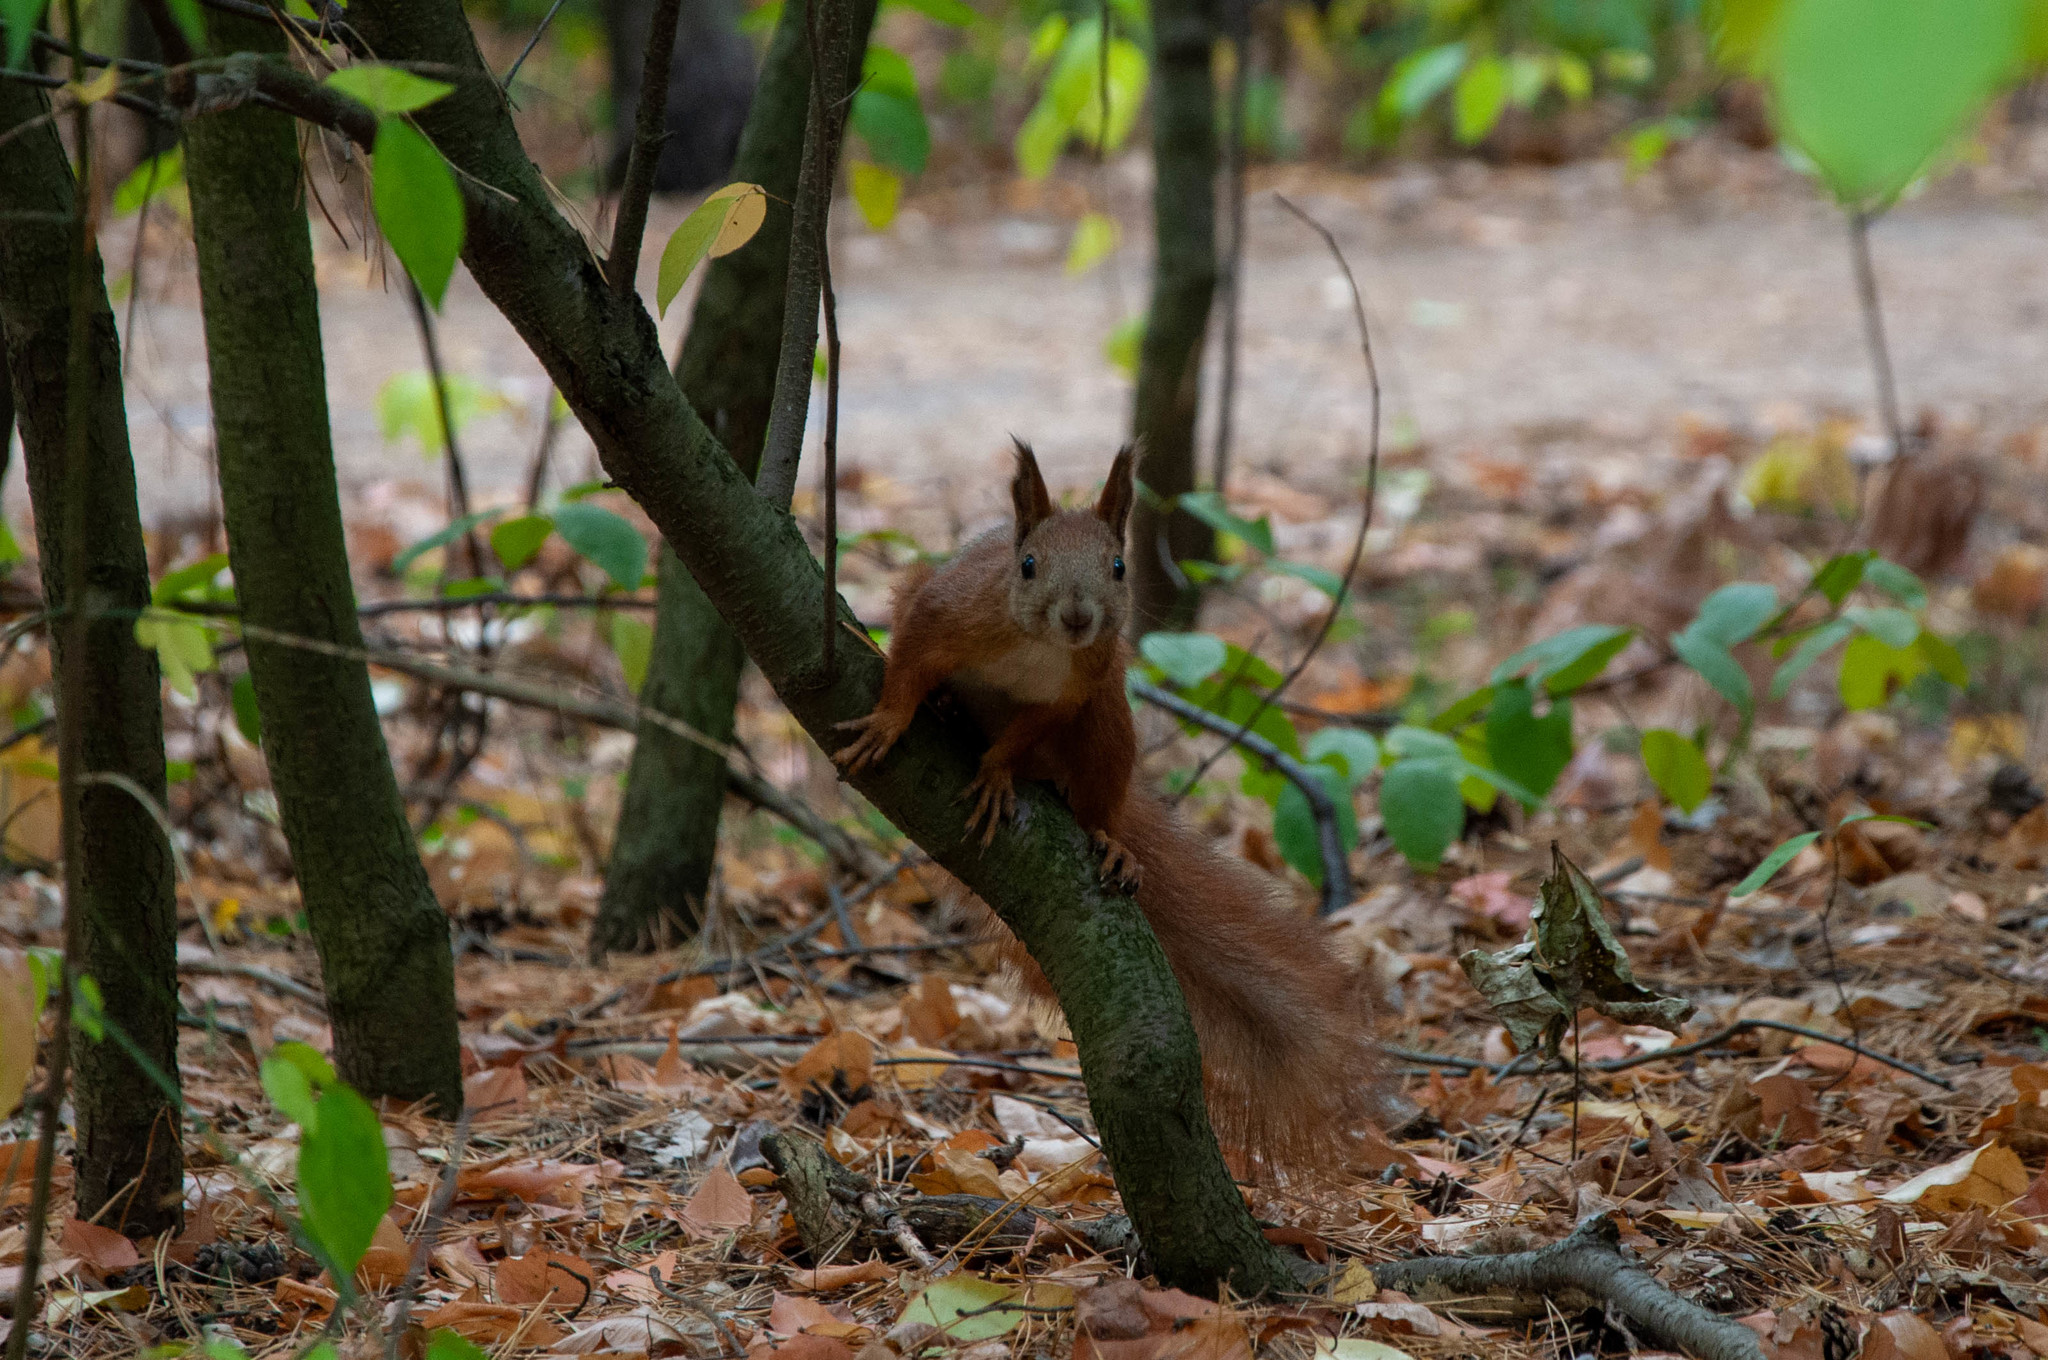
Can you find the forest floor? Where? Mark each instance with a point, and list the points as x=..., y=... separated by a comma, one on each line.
x=1581, y=372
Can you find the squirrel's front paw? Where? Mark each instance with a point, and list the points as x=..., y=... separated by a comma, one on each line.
x=995, y=801
x=1119, y=866
x=878, y=731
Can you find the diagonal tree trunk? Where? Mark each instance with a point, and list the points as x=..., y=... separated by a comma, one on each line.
x=1183, y=282
x=1107, y=970
x=123, y=917
x=383, y=939
x=668, y=829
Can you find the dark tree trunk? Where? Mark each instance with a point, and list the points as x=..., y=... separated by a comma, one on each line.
x=668, y=829
x=1130, y=1022
x=383, y=939
x=1183, y=281
x=711, y=80
x=124, y=916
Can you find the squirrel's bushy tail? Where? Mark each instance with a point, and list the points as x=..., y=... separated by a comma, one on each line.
x=1288, y=1060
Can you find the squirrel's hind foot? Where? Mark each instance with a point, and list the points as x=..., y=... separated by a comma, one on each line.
x=1119, y=866
x=877, y=733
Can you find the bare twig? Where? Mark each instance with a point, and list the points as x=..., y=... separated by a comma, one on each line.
x=458, y=480
x=430, y=1232
x=1372, y=482
x=1329, y=838
x=537, y=478
x=268, y=977
x=531, y=43
x=622, y=262
x=1873, y=330
x=829, y=621
x=1586, y=1270
x=1233, y=269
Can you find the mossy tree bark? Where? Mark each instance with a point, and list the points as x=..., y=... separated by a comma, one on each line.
x=1129, y=1020
x=124, y=918
x=383, y=939
x=667, y=836
x=1183, y=284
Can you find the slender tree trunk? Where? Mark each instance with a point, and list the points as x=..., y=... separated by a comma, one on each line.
x=1183, y=281
x=124, y=920
x=668, y=829
x=711, y=80
x=1130, y=1022
x=383, y=939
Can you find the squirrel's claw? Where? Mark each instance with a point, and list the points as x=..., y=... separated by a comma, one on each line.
x=1119, y=866
x=995, y=802
x=878, y=731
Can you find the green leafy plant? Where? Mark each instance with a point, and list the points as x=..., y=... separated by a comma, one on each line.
x=344, y=1172
x=412, y=190
x=184, y=643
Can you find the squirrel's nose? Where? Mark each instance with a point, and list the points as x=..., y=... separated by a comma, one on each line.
x=1076, y=616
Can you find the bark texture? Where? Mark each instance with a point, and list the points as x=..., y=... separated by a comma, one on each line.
x=124, y=919
x=1129, y=1021
x=383, y=939
x=1183, y=284
x=667, y=837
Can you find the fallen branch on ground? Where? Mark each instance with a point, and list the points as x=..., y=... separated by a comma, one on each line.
x=1586, y=1270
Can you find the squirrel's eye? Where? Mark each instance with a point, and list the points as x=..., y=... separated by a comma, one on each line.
x=1116, y=568
x=1030, y=567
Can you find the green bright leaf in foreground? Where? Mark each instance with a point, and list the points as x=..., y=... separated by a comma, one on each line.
x=726, y=220
x=388, y=89
x=417, y=205
x=1422, y=808
x=1677, y=768
x=605, y=538
x=517, y=540
x=149, y=179
x=344, y=1176
x=1773, y=862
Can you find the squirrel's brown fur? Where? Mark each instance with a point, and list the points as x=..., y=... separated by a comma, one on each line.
x=1025, y=626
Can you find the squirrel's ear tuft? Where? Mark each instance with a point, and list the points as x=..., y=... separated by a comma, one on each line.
x=1114, y=506
x=1028, y=496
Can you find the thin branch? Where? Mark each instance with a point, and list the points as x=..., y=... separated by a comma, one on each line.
x=268, y=977
x=829, y=604
x=1233, y=269
x=458, y=480
x=430, y=1232
x=1873, y=330
x=531, y=43
x=444, y=604
x=1372, y=482
x=622, y=262
x=1329, y=837
x=550, y=422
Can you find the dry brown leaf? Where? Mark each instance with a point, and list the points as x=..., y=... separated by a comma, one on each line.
x=845, y=1057
x=789, y=1314
x=17, y=1028
x=636, y=1283
x=102, y=1249
x=825, y=1279
x=552, y=1278
x=492, y=1324
x=928, y=1011
x=1903, y=1336
x=719, y=1205
x=642, y=1331
x=804, y=1346
x=537, y=1181
x=1992, y=1176
x=495, y=1092
x=297, y=1298
x=385, y=1262
x=958, y=1173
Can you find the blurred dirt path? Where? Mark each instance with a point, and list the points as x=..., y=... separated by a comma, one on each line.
x=1507, y=304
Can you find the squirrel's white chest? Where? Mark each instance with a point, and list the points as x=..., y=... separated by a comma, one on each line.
x=1028, y=673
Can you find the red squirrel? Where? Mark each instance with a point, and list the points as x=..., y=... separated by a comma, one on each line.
x=1025, y=626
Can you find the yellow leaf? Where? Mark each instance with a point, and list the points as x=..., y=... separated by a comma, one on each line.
x=1095, y=236
x=1992, y=1176
x=726, y=220
x=98, y=88
x=876, y=191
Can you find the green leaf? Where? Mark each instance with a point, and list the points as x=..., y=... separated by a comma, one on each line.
x=1071, y=103
x=1568, y=660
x=1463, y=710
x=1897, y=582
x=1352, y=753
x=726, y=220
x=1773, y=862
x=1677, y=768
x=1420, y=743
x=967, y=1308
x=1095, y=237
x=633, y=640
x=387, y=89
x=1893, y=627
x=1419, y=78
x=470, y=587
x=453, y=530
x=1209, y=508
x=1883, y=817
x=1840, y=575
x=242, y=696
x=149, y=179
x=876, y=192
x=950, y=12
x=1329, y=582
x=1744, y=32
x=1718, y=667
x=184, y=648
x=894, y=128
x=1732, y=614
x=1811, y=648
x=1295, y=833
x=191, y=21
x=1945, y=660
x=1481, y=95
x=1527, y=75
x=1530, y=750
x=344, y=1176
x=22, y=18
x=517, y=540
x=1422, y=809
x=291, y=1091
x=195, y=580
x=88, y=1007
x=1872, y=90
x=1122, y=345
x=1187, y=659
x=417, y=205
x=606, y=539
x=406, y=405
x=444, y=1344
x=1872, y=668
